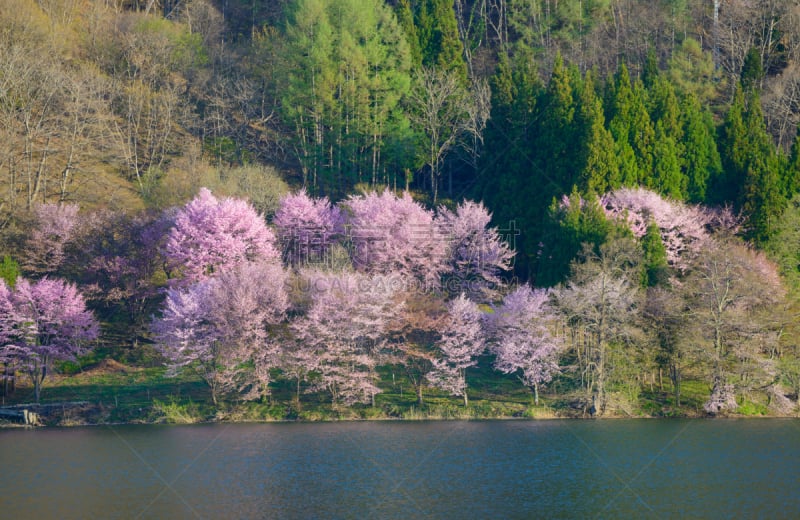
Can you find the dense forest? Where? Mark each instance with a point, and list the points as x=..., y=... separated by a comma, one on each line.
x=279, y=195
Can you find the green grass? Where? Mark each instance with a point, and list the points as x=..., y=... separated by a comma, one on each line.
x=118, y=393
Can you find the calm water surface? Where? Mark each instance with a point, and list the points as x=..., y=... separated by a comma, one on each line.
x=491, y=469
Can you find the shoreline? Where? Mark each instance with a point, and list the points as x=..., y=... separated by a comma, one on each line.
x=58, y=415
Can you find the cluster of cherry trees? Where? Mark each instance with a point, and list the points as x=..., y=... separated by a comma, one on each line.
x=325, y=297
x=324, y=294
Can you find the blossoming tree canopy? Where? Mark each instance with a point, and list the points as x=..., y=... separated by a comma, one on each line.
x=522, y=340
x=477, y=254
x=54, y=226
x=685, y=229
x=462, y=341
x=345, y=327
x=306, y=226
x=395, y=235
x=44, y=321
x=220, y=327
x=213, y=234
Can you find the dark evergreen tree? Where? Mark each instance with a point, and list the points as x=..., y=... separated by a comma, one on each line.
x=752, y=70
x=791, y=174
x=405, y=17
x=571, y=223
x=435, y=34
x=701, y=163
x=510, y=181
x=642, y=131
x=656, y=268
x=599, y=167
x=556, y=140
x=631, y=127
x=752, y=178
x=733, y=150
x=650, y=72
x=667, y=178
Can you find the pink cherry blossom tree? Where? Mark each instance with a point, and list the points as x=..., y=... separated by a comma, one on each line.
x=685, y=229
x=219, y=327
x=186, y=335
x=307, y=226
x=345, y=327
x=246, y=303
x=476, y=253
x=395, y=235
x=54, y=225
x=522, y=340
x=211, y=235
x=48, y=321
x=462, y=341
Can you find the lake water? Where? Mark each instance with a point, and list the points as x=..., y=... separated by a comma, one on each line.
x=472, y=469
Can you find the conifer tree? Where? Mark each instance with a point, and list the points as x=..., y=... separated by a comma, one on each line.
x=752, y=180
x=509, y=180
x=572, y=222
x=791, y=174
x=630, y=126
x=752, y=70
x=667, y=178
x=642, y=130
x=701, y=163
x=733, y=150
x=655, y=265
x=557, y=138
x=599, y=166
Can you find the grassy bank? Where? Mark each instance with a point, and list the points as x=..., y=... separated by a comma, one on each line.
x=111, y=392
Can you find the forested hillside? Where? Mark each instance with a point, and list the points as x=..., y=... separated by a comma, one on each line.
x=637, y=165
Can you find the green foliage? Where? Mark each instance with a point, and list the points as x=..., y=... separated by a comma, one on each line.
x=511, y=181
x=599, y=165
x=173, y=411
x=701, y=163
x=752, y=70
x=667, y=177
x=691, y=71
x=791, y=173
x=347, y=69
x=784, y=245
x=753, y=409
x=631, y=127
x=570, y=225
x=656, y=269
x=761, y=199
x=9, y=271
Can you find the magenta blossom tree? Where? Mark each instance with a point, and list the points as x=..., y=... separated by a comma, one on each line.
x=345, y=327
x=48, y=321
x=219, y=327
x=307, y=227
x=211, y=235
x=521, y=337
x=395, y=235
x=476, y=253
x=462, y=341
x=54, y=226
